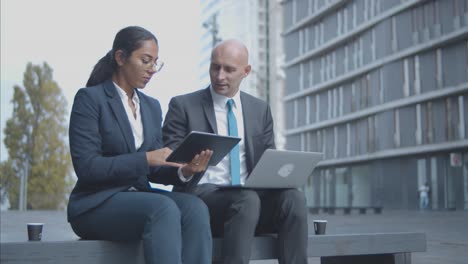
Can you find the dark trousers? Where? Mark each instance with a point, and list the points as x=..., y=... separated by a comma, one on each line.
x=238, y=214
x=174, y=227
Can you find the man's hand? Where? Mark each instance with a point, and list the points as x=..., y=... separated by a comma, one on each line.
x=198, y=164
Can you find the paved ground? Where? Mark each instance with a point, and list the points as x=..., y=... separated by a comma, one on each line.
x=446, y=231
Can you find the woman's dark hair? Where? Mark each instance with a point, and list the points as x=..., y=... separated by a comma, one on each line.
x=127, y=39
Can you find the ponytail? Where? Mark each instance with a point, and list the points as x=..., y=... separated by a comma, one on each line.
x=102, y=71
x=127, y=40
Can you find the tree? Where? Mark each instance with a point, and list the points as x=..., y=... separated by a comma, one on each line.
x=35, y=137
x=9, y=181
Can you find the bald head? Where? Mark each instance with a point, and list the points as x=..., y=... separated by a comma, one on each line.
x=229, y=66
x=234, y=48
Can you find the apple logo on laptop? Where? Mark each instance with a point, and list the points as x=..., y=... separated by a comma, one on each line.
x=285, y=170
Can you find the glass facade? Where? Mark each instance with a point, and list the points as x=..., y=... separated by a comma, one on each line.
x=380, y=87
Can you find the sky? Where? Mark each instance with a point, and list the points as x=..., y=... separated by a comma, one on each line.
x=71, y=36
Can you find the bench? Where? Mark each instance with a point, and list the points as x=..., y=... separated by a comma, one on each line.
x=345, y=209
x=383, y=248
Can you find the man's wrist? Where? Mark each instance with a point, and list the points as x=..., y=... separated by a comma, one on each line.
x=182, y=177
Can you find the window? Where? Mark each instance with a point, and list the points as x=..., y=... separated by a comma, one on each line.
x=361, y=185
x=294, y=12
x=304, y=141
x=439, y=120
x=418, y=125
x=335, y=142
x=320, y=142
x=417, y=79
x=322, y=33
x=453, y=119
x=338, y=28
x=324, y=105
x=346, y=59
x=296, y=114
x=356, y=55
x=348, y=139
x=317, y=109
x=366, y=10
x=301, y=76
x=301, y=42
x=323, y=69
x=394, y=35
x=364, y=93
x=381, y=87
x=301, y=111
x=340, y=102
x=429, y=131
x=289, y=114
x=439, y=72
x=311, y=74
x=335, y=103
x=370, y=134
x=341, y=141
x=362, y=139
x=353, y=97
x=406, y=81
x=311, y=109
x=461, y=118
x=317, y=36
x=344, y=28
x=407, y=126
x=425, y=65
x=354, y=14
x=396, y=133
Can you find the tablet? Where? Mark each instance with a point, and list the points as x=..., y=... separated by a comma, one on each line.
x=195, y=142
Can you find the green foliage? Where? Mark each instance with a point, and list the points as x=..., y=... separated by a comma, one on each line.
x=37, y=132
x=9, y=183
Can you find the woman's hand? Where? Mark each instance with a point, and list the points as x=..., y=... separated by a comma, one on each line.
x=198, y=164
x=158, y=158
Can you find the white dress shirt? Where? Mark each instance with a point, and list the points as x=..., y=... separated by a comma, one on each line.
x=220, y=174
x=137, y=127
x=135, y=120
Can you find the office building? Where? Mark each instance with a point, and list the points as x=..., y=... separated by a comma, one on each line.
x=381, y=88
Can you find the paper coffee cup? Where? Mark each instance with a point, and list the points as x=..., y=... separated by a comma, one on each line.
x=35, y=231
x=320, y=226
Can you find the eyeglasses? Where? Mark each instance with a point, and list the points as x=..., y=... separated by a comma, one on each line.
x=156, y=66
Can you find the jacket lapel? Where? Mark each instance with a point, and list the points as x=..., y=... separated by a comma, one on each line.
x=208, y=108
x=120, y=115
x=146, y=122
x=248, y=124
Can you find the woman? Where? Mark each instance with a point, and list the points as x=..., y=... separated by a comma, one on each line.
x=115, y=144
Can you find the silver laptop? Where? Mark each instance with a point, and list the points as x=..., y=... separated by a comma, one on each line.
x=282, y=169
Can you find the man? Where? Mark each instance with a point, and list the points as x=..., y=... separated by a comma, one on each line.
x=238, y=214
x=424, y=196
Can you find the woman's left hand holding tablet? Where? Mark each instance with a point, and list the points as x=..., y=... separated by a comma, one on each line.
x=158, y=158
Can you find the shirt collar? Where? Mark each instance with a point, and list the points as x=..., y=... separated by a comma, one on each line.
x=221, y=100
x=123, y=94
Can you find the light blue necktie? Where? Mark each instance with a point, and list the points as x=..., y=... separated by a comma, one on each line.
x=234, y=154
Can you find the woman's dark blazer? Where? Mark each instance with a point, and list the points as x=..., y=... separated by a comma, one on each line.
x=103, y=150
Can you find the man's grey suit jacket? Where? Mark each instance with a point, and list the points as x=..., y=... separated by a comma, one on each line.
x=195, y=112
